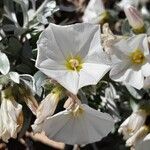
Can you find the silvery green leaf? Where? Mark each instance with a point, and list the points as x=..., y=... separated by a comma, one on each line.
x=33, y=2
x=9, y=12
x=22, y=2
x=28, y=80
x=14, y=76
x=133, y=105
x=24, y=5
x=51, y=5
x=39, y=78
x=4, y=79
x=4, y=63
x=133, y=92
x=109, y=101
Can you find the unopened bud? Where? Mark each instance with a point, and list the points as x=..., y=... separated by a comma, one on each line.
x=135, y=19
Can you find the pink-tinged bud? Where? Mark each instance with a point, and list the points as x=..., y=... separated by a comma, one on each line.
x=135, y=19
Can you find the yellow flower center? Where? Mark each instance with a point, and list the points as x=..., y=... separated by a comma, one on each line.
x=104, y=17
x=78, y=111
x=74, y=64
x=137, y=57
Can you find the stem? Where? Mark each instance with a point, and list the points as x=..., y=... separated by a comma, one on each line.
x=40, y=9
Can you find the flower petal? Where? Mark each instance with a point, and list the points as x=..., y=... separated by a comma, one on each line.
x=119, y=71
x=135, y=79
x=50, y=64
x=90, y=127
x=93, y=10
x=139, y=42
x=92, y=44
x=121, y=49
x=11, y=110
x=46, y=108
x=146, y=69
x=92, y=73
x=70, y=39
x=68, y=79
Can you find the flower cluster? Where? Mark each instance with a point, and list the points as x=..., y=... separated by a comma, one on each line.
x=56, y=69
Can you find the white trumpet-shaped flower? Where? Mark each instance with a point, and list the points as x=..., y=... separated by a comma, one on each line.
x=11, y=116
x=133, y=123
x=81, y=125
x=94, y=12
x=46, y=108
x=131, y=61
x=72, y=55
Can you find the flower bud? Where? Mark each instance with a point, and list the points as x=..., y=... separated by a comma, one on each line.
x=24, y=93
x=47, y=108
x=135, y=19
x=11, y=116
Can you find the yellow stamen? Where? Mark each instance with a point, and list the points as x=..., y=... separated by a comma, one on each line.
x=137, y=57
x=74, y=64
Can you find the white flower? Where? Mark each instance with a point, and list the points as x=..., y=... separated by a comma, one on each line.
x=46, y=108
x=133, y=123
x=134, y=17
x=11, y=116
x=143, y=144
x=94, y=12
x=82, y=125
x=131, y=61
x=72, y=55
